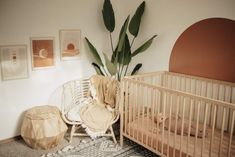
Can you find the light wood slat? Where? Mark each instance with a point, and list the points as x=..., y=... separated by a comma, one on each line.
x=139, y=106
x=189, y=126
x=204, y=130
x=152, y=115
x=164, y=115
x=147, y=107
x=158, y=109
x=231, y=134
x=130, y=105
x=121, y=112
x=177, y=113
x=222, y=133
x=126, y=104
x=197, y=123
x=135, y=104
x=182, y=126
x=169, y=130
x=142, y=106
x=213, y=129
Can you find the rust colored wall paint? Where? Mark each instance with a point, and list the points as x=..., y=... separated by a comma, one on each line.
x=207, y=49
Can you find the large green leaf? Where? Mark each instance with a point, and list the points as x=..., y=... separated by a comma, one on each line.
x=143, y=47
x=136, y=69
x=109, y=65
x=136, y=19
x=114, y=55
x=97, y=69
x=125, y=55
x=122, y=34
x=108, y=16
x=94, y=52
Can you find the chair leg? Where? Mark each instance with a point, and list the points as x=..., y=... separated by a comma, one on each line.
x=113, y=135
x=72, y=133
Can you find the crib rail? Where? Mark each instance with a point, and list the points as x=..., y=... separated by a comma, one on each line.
x=190, y=121
x=209, y=88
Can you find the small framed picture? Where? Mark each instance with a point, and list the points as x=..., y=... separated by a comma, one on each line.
x=14, y=63
x=42, y=52
x=70, y=44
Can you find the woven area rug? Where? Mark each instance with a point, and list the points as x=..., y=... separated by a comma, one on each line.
x=102, y=147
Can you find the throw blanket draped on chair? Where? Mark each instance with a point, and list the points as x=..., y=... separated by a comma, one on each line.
x=95, y=116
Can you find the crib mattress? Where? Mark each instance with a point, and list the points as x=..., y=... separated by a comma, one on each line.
x=145, y=131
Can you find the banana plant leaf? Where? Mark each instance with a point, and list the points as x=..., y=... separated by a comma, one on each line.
x=122, y=34
x=112, y=68
x=136, y=69
x=125, y=55
x=94, y=53
x=143, y=47
x=114, y=55
x=97, y=69
x=136, y=19
x=108, y=16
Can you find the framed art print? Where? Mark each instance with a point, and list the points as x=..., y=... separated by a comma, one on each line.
x=42, y=52
x=14, y=63
x=70, y=43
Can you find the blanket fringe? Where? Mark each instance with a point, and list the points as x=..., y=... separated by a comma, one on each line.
x=93, y=134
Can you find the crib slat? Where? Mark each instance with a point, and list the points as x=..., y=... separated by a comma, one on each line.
x=189, y=125
x=175, y=131
x=158, y=102
x=142, y=111
x=182, y=126
x=126, y=104
x=222, y=132
x=147, y=106
x=164, y=115
x=122, y=114
x=142, y=105
x=197, y=121
x=204, y=129
x=169, y=130
x=134, y=109
x=213, y=129
x=231, y=134
x=138, y=114
x=130, y=107
x=152, y=115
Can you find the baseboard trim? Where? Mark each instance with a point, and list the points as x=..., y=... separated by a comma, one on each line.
x=10, y=139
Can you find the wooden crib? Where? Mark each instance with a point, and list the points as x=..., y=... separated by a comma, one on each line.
x=206, y=107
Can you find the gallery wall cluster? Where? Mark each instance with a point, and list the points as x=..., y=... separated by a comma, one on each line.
x=14, y=58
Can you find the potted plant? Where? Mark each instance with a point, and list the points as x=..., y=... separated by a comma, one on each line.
x=122, y=53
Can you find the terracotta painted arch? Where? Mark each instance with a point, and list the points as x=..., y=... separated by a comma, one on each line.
x=207, y=49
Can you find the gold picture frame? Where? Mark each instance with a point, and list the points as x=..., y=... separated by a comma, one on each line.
x=14, y=63
x=70, y=44
x=42, y=52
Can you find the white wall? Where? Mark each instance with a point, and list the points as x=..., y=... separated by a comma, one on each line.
x=22, y=19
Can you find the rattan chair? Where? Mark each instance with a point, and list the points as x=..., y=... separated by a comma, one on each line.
x=72, y=93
